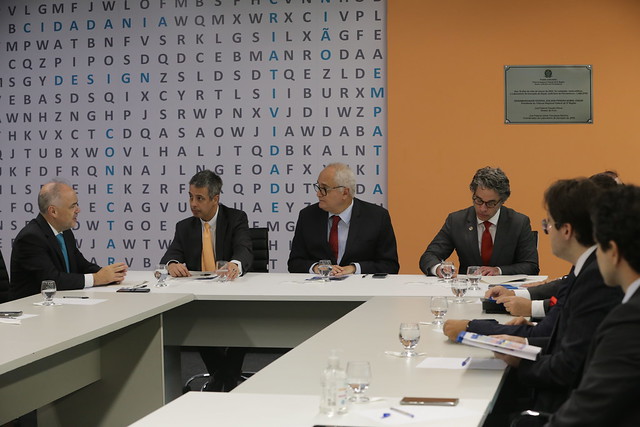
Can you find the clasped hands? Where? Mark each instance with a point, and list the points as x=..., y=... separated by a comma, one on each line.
x=485, y=270
x=338, y=270
x=176, y=269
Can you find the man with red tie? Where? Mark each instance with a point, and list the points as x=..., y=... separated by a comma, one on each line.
x=355, y=235
x=487, y=234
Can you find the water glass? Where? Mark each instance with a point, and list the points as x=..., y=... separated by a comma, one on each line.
x=439, y=307
x=161, y=273
x=324, y=267
x=474, y=276
x=222, y=269
x=358, y=378
x=448, y=270
x=459, y=289
x=409, y=335
x=48, y=289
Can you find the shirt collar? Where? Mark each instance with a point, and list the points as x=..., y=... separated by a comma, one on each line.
x=493, y=220
x=631, y=290
x=345, y=215
x=55, y=232
x=212, y=221
x=582, y=259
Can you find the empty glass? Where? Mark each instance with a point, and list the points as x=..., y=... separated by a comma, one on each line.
x=48, y=289
x=324, y=267
x=358, y=378
x=222, y=269
x=474, y=276
x=448, y=270
x=439, y=307
x=459, y=289
x=409, y=335
x=161, y=274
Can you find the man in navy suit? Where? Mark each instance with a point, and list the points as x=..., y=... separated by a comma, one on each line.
x=356, y=236
x=487, y=234
x=225, y=232
x=45, y=249
x=610, y=386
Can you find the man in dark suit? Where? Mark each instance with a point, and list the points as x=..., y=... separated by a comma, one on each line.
x=4, y=281
x=356, y=236
x=557, y=370
x=45, y=249
x=214, y=232
x=610, y=386
x=486, y=234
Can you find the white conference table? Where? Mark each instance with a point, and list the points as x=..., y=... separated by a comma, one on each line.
x=80, y=347
x=101, y=363
x=286, y=393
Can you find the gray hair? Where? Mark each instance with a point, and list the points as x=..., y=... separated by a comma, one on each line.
x=492, y=179
x=344, y=177
x=50, y=194
x=208, y=179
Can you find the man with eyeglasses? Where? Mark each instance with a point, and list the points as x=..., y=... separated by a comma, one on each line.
x=487, y=234
x=355, y=235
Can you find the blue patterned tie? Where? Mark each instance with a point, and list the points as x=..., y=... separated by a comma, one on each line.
x=64, y=249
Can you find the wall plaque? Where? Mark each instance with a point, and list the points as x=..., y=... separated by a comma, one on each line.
x=548, y=94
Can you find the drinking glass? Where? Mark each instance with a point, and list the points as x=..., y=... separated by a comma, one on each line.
x=324, y=267
x=161, y=274
x=439, y=306
x=459, y=288
x=48, y=290
x=409, y=336
x=358, y=378
x=222, y=269
x=474, y=276
x=448, y=271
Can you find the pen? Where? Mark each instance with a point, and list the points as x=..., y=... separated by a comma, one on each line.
x=364, y=275
x=400, y=411
x=465, y=361
x=75, y=297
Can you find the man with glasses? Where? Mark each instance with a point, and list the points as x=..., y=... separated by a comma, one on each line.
x=355, y=235
x=487, y=234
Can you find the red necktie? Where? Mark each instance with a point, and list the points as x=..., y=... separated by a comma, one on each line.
x=487, y=244
x=333, y=236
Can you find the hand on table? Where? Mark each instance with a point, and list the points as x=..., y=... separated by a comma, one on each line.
x=453, y=327
x=498, y=291
x=177, y=269
x=516, y=306
x=485, y=270
x=519, y=321
x=110, y=274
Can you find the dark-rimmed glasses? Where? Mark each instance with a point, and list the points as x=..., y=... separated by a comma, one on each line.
x=546, y=225
x=324, y=190
x=490, y=204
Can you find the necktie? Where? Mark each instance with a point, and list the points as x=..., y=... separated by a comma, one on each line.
x=208, y=259
x=487, y=244
x=333, y=236
x=63, y=247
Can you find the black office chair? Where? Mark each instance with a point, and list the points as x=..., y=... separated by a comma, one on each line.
x=531, y=418
x=260, y=247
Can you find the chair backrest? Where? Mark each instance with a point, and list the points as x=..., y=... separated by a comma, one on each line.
x=260, y=244
x=535, y=236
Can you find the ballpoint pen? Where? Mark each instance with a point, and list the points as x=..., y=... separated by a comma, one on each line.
x=465, y=361
x=77, y=297
x=400, y=411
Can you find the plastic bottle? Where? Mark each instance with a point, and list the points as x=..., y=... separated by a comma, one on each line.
x=334, y=387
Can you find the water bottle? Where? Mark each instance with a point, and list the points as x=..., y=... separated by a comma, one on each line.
x=334, y=387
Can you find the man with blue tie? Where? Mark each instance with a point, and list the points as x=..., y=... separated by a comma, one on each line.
x=355, y=235
x=45, y=249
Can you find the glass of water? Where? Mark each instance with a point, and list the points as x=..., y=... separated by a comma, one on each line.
x=439, y=307
x=222, y=269
x=459, y=289
x=474, y=276
x=358, y=378
x=448, y=270
x=48, y=289
x=161, y=274
x=409, y=335
x=324, y=267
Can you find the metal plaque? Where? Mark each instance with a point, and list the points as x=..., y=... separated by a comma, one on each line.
x=547, y=94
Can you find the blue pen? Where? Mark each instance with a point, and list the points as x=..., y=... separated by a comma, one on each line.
x=465, y=361
x=385, y=415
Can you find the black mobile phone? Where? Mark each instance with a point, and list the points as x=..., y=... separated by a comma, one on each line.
x=430, y=401
x=10, y=313
x=379, y=275
x=142, y=290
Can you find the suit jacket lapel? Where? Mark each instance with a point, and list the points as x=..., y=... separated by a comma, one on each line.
x=52, y=241
x=221, y=232
x=502, y=233
x=471, y=237
x=354, y=227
